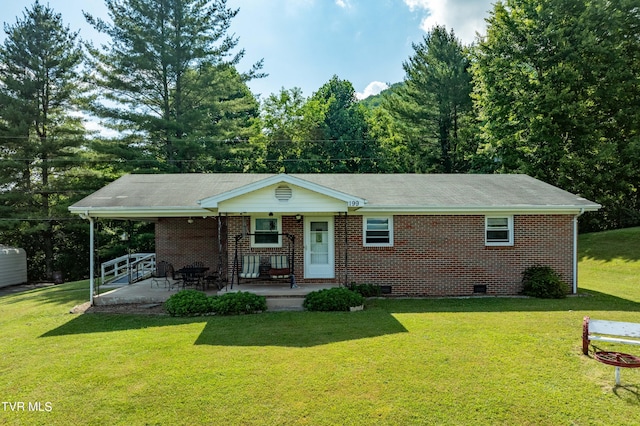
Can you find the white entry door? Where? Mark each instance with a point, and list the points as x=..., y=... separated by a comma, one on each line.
x=319, y=253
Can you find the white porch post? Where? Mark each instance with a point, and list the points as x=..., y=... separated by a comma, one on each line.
x=91, y=260
x=575, y=254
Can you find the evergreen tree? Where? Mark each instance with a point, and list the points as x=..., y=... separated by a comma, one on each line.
x=40, y=135
x=168, y=81
x=433, y=106
x=345, y=146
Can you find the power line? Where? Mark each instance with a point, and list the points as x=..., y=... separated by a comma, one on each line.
x=209, y=160
x=198, y=139
x=47, y=219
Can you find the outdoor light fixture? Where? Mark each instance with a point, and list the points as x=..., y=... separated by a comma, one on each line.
x=124, y=236
x=190, y=220
x=298, y=217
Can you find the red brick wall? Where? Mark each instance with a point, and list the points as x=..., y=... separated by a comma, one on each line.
x=181, y=243
x=289, y=225
x=447, y=256
x=431, y=256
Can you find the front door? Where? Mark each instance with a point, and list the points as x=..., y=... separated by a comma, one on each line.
x=318, y=247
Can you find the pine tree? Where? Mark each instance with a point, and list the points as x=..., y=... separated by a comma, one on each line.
x=168, y=80
x=434, y=104
x=40, y=135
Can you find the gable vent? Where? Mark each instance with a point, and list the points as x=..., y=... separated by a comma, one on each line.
x=283, y=193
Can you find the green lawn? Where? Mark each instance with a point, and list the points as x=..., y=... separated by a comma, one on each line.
x=452, y=361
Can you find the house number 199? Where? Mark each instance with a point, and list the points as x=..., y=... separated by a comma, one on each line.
x=354, y=203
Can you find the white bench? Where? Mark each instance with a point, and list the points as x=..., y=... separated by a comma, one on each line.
x=611, y=332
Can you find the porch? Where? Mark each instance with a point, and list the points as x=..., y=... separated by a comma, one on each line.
x=280, y=296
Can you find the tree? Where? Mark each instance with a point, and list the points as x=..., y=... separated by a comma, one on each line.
x=557, y=93
x=434, y=104
x=40, y=133
x=170, y=82
x=289, y=123
x=395, y=156
x=345, y=146
x=327, y=132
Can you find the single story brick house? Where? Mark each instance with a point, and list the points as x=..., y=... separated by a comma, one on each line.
x=414, y=234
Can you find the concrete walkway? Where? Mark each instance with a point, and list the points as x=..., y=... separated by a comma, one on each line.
x=279, y=296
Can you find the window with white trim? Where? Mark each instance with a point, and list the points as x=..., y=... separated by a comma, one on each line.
x=499, y=230
x=266, y=232
x=378, y=231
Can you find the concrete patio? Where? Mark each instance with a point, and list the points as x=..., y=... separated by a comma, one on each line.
x=280, y=296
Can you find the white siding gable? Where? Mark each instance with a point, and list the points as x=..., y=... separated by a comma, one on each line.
x=267, y=199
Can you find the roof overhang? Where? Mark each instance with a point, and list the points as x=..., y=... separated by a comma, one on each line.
x=139, y=212
x=472, y=210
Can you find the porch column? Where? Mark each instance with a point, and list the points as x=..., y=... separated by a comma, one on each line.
x=91, y=256
x=91, y=260
x=346, y=249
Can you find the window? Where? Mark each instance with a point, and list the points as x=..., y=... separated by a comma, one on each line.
x=266, y=230
x=378, y=231
x=499, y=231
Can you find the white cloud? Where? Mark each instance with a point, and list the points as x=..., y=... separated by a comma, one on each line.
x=465, y=17
x=417, y=4
x=372, y=89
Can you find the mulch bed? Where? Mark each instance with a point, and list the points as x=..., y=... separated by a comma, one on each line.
x=130, y=308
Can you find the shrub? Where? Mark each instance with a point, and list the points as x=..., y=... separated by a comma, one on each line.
x=192, y=302
x=332, y=299
x=188, y=302
x=366, y=290
x=238, y=303
x=543, y=282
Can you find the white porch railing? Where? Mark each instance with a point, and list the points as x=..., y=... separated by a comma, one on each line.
x=136, y=266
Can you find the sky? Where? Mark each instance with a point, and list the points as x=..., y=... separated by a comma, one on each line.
x=304, y=43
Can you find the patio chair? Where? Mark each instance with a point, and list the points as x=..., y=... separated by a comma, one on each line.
x=250, y=266
x=171, y=277
x=212, y=278
x=279, y=266
x=160, y=274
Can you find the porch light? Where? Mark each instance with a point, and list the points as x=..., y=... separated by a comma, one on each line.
x=298, y=217
x=124, y=236
x=190, y=220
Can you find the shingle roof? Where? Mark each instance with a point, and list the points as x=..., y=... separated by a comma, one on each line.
x=429, y=191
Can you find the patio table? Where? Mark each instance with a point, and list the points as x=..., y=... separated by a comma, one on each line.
x=192, y=274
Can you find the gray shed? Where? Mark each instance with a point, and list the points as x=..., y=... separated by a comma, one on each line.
x=13, y=266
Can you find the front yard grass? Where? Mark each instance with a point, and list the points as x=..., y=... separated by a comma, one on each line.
x=440, y=361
